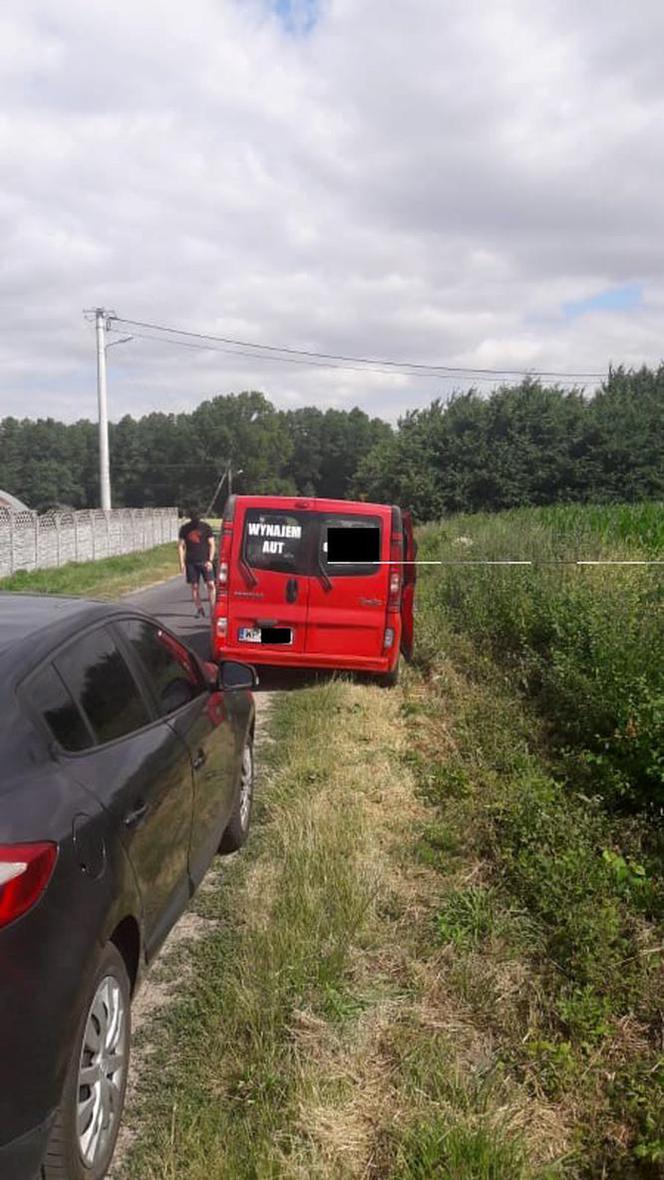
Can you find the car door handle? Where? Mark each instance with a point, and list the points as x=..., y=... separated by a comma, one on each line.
x=200, y=759
x=135, y=815
x=291, y=590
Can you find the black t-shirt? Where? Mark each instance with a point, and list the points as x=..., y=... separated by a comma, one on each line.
x=196, y=537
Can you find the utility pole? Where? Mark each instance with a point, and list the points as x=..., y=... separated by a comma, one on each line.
x=228, y=474
x=100, y=317
x=104, y=465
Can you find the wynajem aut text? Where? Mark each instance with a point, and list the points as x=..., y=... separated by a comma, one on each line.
x=274, y=530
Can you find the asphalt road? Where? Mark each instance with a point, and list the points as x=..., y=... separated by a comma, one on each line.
x=171, y=603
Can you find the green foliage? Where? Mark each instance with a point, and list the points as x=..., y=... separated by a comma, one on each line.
x=522, y=445
x=467, y=917
x=585, y=644
x=178, y=458
x=550, y=684
x=525, y=445
x=436, y=1151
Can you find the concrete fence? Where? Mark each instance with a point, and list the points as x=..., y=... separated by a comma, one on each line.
x=29, y=541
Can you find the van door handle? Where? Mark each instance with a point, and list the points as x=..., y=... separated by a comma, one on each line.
x=291, y=590
x=200, y=759
x=135, y=815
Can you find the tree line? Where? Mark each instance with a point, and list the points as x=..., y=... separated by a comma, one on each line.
x=523, y=444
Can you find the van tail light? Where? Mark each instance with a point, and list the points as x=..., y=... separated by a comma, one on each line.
x=25, y=871
x=225, y=542
x=395, y=573
x=388, y=638
x=222, y=627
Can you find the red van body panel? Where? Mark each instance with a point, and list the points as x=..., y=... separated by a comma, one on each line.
x=282, y=602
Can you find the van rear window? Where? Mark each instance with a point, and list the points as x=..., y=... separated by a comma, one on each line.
x=275, y=541
x=354, y=555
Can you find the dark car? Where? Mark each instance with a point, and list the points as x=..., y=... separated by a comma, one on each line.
x=126, y=765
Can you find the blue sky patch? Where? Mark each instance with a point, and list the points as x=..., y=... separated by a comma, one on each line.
x=626, y=298
x=297, y=16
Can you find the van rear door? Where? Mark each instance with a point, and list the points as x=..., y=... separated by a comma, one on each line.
x=268, y=580
x=408, y=592
x=347, y=601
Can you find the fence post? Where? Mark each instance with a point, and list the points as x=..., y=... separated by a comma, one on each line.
x=11, y=542
x=57, y=539
x=75, y=516
x=36, y=525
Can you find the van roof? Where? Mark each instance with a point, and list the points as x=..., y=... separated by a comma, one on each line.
x=312, y=503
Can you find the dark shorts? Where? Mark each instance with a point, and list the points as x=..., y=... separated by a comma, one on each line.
x=197, y=570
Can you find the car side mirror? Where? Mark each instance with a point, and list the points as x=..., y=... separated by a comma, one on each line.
x=234, y=676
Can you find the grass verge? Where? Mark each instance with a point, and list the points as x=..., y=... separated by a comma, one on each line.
x=109, y=578
x=533, y=743
x=320, y=1036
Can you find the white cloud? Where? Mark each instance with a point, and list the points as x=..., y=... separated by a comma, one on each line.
x=429, y=181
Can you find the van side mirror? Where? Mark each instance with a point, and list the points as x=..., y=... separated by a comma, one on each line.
x=234, y=676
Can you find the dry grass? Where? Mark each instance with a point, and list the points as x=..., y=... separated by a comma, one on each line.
x=325, y=1034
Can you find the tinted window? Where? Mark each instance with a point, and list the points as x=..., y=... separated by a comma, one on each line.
x=276, y=541
x=173, y=676
x=100, y=680
x=53, y=701
x=372, y=546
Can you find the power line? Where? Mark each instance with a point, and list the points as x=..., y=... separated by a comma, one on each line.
x=329, y=356
x=295, y=360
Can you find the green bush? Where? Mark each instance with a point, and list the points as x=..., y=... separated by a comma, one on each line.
x=585, y=644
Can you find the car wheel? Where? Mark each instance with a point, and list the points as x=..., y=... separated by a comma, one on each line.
x=237, y=828
x=88, y=1119
x=390, y=679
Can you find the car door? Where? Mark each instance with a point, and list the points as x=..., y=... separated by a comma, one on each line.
x=201, y=718
x=138, y=767
x=408, y=591
x=348, y=599
x=269, y=581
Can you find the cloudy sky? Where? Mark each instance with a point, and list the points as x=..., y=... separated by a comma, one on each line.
x=451, y=182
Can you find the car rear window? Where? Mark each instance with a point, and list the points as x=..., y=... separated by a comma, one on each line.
x=51, y=698
x=99, y=678
x=359, y=556
x=276, y=540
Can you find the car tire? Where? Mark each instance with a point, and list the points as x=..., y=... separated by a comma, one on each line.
x=390, y=679
x=107, y=1010
x=237, y=828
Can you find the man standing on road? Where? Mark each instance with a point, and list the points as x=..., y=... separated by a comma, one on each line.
x=196, y=551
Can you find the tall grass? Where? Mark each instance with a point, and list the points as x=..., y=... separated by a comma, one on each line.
x=586, y=644
x=550, y=768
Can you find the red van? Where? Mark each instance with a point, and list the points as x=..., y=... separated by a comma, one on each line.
x=315, y=583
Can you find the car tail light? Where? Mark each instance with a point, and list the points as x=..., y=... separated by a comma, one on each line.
x=223, y=573
x=222, y=627
x=395, y=573
x=388, y=638
x=25, y=870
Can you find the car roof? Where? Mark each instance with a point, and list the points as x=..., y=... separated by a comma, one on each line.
x=34, y=623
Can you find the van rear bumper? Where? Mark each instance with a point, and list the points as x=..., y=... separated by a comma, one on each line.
x=255, y=653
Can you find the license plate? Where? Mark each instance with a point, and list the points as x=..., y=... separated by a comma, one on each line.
x=250, y=635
